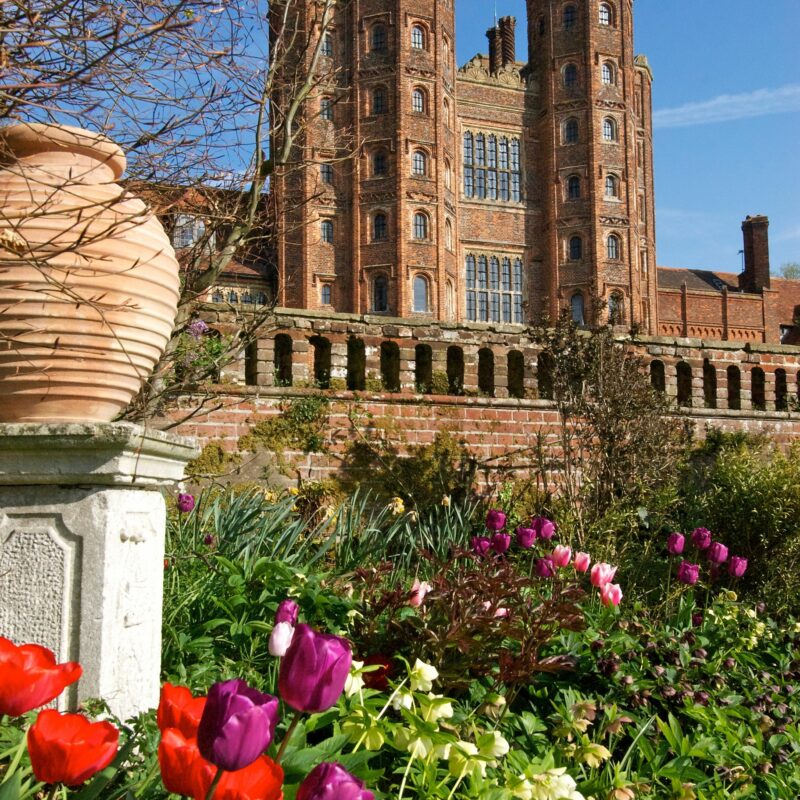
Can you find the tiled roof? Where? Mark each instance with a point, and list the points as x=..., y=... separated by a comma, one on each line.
x=697, y=279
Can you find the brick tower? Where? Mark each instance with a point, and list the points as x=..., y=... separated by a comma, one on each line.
x=595, y=158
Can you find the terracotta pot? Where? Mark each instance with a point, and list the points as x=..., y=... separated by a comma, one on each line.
x=88, y=279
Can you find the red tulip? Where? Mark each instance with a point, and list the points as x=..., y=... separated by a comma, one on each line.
x=181, y=763
x=67, y=748
x=177, y=708
x=261, y=780
x=30, y=677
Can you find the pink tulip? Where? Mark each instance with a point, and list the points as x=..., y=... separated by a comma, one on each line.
x=611, y=594
x=688, y=573
x=717, y=553
x=418, y=591
x=675, y=544
x=701, y=538
x=500, y=543
x=501, y=613
x=545, y=528
x=545, y=568
x=602, y=574
x=737, y=566
x=525, y=537
x=481, y=545
x=561, y=555
x=495, y=520
x=582, y=561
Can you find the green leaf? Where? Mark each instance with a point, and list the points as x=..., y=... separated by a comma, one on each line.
x=10, y=790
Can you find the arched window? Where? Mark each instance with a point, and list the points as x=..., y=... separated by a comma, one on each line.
x=684, y=375
x=574, y=187
x=570, y=76
x=326, y=173
x=247, y=297
x=612, y=186
x=576, y=306
x=423, y=368
x=448, y=234
x=379, y=39
x=781, y=390
x=542, y=26
x=544, y=375
x=758, y=389
x=571, y=131
x=570, y=17
x=283, y=359
x=216, y=297
x=446, y=108
x=322, y=361
x=455, y=370
x=448, y=175
x=326, y=231
x=606, y=14
x=486, y=372
x=420, y=294
x=379, y=103
x=616, y=309
x=418, y=101
x=709, y=384
x=356, y=364
x=327, y=45
x=380, y=294
x=609, y=130
x=449, y=300
x=420, y=226
x=515, y=363
x=608, y=73
x=418, y=37
x=233, y=296
x=446, y=51
x=325, y=294
x=419, y=164
x=326, y=108
x=658, y=377
x=379, y=228
x=734, y=388
x=379, y=164
x=261, y=299
x=575, y=248
x=613, y=247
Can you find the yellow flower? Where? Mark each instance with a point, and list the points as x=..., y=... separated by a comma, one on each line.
x=593, y=755
x=397, y=506
x=446, y=501
x=422, y=676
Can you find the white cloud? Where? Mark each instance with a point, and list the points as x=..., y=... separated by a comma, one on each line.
x=728, y=107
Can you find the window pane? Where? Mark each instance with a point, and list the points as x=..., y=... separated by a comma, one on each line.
x=482, y=272
x=470, y=272
x=507, y=274
x=420, y=294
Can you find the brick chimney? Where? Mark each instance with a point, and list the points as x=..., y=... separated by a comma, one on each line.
x=756, y=254
x=508, y=41
x=495, y=50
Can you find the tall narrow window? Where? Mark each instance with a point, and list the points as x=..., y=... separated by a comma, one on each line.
x=612, y=188
x=322, y=361
x=379, y=39
x=356, y=364
x=380, y=294
x=455, y=370
x=418, y=37
x=758, y=389
x=472, y=308
x=515, y=363
x=609, y=130
x=423, y=368
x=418, y=101
x=606, y=14
x=326, y=230
x=709, y=384
x=379, y=228
x=575, y=248
x=684, y=375
x=570, y=76
x=446, y=109
x=608, y=73
x=576, y=305
x=486, y=372
x=420, y=294
x=379, y=166
x=570, y=17
x=616, y=309
x=448, y=175
x=574, y=188
x=283, y=359
x=326, y=173
x=613, y=247
x=734, y=388
x=327, y=45
x=518, y=291
x=420, y=225
x=325, y=294
x=448, y=234
x=326, y=108
x=571, y=131
x=379, y=105
x=658, y=377
x=781, y=390
x=419, y=164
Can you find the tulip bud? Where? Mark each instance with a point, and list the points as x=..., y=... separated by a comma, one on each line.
x=544, y=528
x=280, y=639
x=495, y=520
x=737, y=567
x=287, y=611
x=501, y=542
x=582, y=561
x=332, y=782
x=701, y=538
x=602, y=574
x=480, y=545
x=688, y=573
x=525, y=537
x=675, y=544
x=185, y=503
x=561, y=555
x=611, y=594
x=717, y=553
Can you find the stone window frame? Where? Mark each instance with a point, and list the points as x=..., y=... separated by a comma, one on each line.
x=494, y=287
x=417, y=226
x=614, y=247
x=570, y=76
x=574, y=247
x=382, y=152
x=378, y=108
x=606, y=15
x=377, y=45
x=578, y=319
x=420, y=163
x=608, y=73
x=379, y=276
x=419, y=100
x=327, y=48
x=610, y=130
x=616, y=307
x=326, y=294
x=419, y=36
x=448, y=113
x=574, y=187
x=614, y=182
x=448, y=174
x=569, y=17
x=492, y=165
x=327, y=231
x=326, y=108
x=377, y=235
x=449, y=240
x=326, y=173
x=420, y=278
x=571, y=124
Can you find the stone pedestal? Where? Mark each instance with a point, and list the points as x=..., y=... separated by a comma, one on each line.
x=82, y=525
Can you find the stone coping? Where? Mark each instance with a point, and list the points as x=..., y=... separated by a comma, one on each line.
x=103, y=454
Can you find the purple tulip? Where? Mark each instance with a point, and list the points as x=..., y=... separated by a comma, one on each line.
x=332, y=782
x=675, y=544
x=688, y=573
x=237, y=725
x=545, y=568
x=185, y=503
x=481, y=545
x=501, y=542
x=314, y=670
x=525, y=537
x=701, y=538
x=717, y=553
x=737, y=566
x=209, y=540
x=545, y=528
x=495, y=520
x=287, y=612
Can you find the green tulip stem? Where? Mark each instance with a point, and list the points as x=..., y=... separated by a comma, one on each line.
x=289, y=732
x=213, y=788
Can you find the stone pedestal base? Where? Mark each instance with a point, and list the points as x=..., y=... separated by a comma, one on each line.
x=82, y=551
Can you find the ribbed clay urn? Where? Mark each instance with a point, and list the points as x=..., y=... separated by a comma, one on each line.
x=88, y=279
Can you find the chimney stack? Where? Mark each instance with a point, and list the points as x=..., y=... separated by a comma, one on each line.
x=508, y=40
x=756, y=254
x=495, y=50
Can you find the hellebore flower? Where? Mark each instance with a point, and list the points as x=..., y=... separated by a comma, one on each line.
x=178, y=708
x=582, y=561
x=481, y=545
x=701, y=538
x=675, y=543
x=378, y=678
x=545, y=528
x=737, y=566
x=30, y=677
x=495, y=520
x=545, y=567
x=280, y=639
x=717, y=553
x=314, y=670
x=422, y=676
x=418, y=592
x=688, y=573
x=500, y=543
x=68, y=749
x=185, y=503
x=237, y=725
x=332, y=782
x=611, y=594
x=525, y=537
x=287, y=611
x=561, y=555
x=602, y=574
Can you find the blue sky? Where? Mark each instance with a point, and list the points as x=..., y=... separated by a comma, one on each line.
x=726, y=99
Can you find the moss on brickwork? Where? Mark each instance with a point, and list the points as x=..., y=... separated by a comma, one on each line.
x=212, y=462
